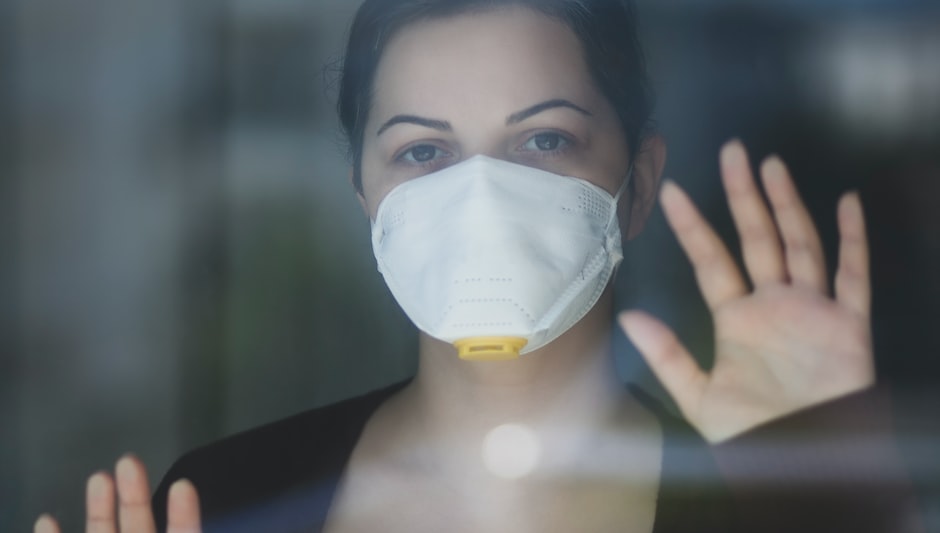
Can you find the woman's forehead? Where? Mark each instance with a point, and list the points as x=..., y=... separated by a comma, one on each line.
x=492, y=62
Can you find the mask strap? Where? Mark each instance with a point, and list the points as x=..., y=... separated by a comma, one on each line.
x=623, y=186
x=616, y=203
x=614, y=218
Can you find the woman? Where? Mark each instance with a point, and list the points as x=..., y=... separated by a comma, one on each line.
x=501, y=150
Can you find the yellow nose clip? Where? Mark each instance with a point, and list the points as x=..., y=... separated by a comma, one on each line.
x=489, y=348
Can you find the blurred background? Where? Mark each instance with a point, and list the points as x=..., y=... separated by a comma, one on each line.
x=182, y=256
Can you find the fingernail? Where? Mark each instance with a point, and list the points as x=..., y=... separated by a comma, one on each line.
x=669, y=191
x=125, y=470
x=630, y=327
x=44, y=524
x=621, y=317
x=97, y=486
x=851, y=202
x=183, y=498
x=731, y=151
x=773, y=168
x=179, y=487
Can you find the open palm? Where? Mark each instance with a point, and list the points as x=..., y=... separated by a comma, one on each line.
x=784, y=344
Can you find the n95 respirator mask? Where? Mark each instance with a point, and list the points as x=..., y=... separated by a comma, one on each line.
x=495, y=257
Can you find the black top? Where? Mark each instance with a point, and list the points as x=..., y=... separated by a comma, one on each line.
x=830, y=468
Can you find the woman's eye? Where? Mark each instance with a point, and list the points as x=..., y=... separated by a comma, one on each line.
x=546, y=142
x=422, y=153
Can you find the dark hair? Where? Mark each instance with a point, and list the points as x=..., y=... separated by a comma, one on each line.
x=605, y=28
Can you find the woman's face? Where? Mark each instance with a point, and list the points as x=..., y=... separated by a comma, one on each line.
x=509, y=83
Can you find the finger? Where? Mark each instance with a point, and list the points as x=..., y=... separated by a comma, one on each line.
x=99, y=504
x=46, y=524
x=805, y=261
x=182, y=508
x=853, y=288
x=718, y=276
x=760, y=242
x=670, y=361
x=134, y=513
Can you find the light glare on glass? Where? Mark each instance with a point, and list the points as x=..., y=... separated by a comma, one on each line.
x=511, y=451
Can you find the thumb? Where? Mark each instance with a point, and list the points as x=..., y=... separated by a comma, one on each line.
x=670, y=361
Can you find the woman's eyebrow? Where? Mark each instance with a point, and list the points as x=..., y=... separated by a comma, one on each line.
x=519, y=116
x=440, y=125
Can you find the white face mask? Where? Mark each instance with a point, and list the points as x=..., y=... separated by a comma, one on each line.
x=495, y=257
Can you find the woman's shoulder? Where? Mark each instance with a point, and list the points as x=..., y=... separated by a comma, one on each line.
x=268, y=470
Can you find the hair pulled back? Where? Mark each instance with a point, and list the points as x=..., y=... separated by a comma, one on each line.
x=605, y=28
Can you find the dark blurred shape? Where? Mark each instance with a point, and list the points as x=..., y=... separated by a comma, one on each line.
x=274, y=76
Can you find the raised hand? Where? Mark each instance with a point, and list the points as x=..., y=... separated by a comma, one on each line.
x=783, y=345
x=133, y=513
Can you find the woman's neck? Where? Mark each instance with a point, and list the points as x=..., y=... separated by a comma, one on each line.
x=577, y=449
x=565, y=391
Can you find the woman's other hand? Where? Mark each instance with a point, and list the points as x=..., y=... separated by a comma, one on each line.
x=131, y=513
x=786, y=343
